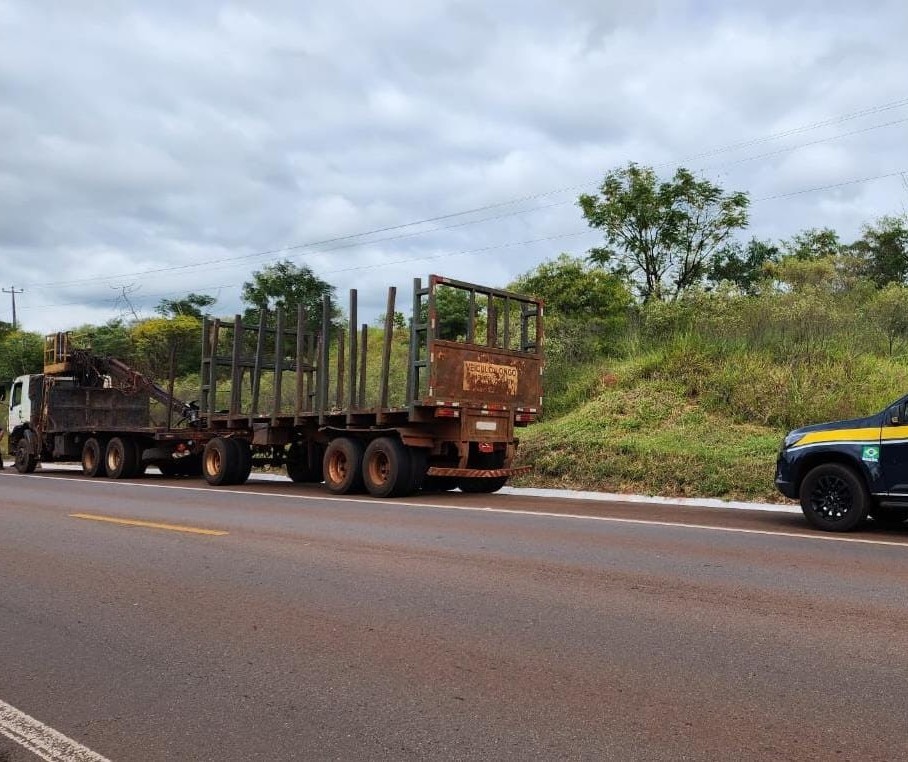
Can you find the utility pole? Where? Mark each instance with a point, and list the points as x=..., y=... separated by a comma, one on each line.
x=12, y=291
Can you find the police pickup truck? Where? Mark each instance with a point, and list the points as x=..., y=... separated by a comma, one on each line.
x=844, y=471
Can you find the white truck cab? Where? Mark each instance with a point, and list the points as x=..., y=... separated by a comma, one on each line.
x=20, y=405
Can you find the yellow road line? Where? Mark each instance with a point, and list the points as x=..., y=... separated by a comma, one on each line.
x=149, y=524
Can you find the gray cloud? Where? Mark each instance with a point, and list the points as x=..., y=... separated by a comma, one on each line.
x=140, y=137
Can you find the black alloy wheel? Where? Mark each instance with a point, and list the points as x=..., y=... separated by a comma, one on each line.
x=834, y=498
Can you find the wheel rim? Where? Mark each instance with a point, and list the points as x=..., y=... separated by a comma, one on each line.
x=22, y=455
x=832, y=498
x=114, y=458
x=337, y=467
x=379, y=468
x=90, y=458
x=212, y=462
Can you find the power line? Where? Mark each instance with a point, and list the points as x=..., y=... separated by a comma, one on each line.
x=511, y=244
x=438, y=218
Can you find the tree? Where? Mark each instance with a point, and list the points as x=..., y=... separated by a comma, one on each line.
x=191, y=305
x=109, y=340
x=287, y=285
x=585, y=306
x=160, y=341
x=743, y=265
x=662, y=233
x=883, y=250
x=889, y=310
x=812, y=244
x=21, y=352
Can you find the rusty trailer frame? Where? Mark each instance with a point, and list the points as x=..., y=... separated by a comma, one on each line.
x=474, y=374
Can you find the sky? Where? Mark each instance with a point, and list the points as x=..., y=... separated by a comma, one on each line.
x=152, y=149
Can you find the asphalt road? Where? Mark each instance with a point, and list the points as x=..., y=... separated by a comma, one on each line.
x=321, y=628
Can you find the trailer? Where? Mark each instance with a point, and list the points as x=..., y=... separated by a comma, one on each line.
x=469, y=384
x=297, y=392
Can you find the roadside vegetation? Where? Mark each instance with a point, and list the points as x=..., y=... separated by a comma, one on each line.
x=678, y=353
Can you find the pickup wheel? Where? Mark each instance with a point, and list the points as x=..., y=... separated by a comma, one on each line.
x=120, y=458
x=299, y=469
x=343, y=466
x=93, y=458
x=388, y=468
x=834, y=498
x=25, y=462
x=220, y=461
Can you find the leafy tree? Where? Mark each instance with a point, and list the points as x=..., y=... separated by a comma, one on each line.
x=812, y=244
x=662, y=233
x=586, y=307
x=743, y=265
x=21, y=352
x=156, y=340
x=109, y=340
x=191, y=305
x=883, y=250
x=286, y=285
x=889, y=311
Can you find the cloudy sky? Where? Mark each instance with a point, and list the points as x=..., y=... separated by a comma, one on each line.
x=164, y=147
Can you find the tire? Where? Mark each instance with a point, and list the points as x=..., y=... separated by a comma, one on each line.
x=834, y=498
x=140, y=466
x=244, y=461
x=484, y=485
x=93, y=464
x=888, y=516
x=25, y=462
x=220, y=461
x=120, y=458
x=190, y=465
x=440, y=483
x=299, y=468
x=169, y=468
x=387, y=468
x=343, y=466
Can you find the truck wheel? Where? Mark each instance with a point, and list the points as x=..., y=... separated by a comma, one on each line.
x=834, y=498
x=244, y=460
x=169, y=468
x=889, y=517
x=440, y=483
x=93, y=458
x=482, y=485
x=220, y=461
x=297, y=461
x=485, y=485
x=387, y=468
x=25, y=462
x=120, y=458
x=343, y=466
x=140, y=466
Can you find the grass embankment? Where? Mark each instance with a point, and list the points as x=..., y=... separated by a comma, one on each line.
x=685, y=421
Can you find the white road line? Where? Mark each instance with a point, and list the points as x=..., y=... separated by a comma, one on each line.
x=490, y=509
x=41, y=740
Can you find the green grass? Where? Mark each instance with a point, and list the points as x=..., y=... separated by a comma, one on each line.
x=690, y=418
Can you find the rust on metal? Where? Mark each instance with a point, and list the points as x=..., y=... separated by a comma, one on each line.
x=480, y=473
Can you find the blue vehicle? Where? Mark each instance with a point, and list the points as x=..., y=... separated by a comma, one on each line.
x=846, y=471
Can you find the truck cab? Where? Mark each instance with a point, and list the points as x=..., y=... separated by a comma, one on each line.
x=20, y=408
x=846, y=471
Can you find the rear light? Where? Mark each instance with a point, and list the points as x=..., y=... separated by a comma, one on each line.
x=525, y=418
x=486, y=447
x=447, y=412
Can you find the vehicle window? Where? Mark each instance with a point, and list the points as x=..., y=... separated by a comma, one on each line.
x=16, y=399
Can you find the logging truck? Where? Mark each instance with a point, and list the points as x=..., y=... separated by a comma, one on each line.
x=294, y=391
